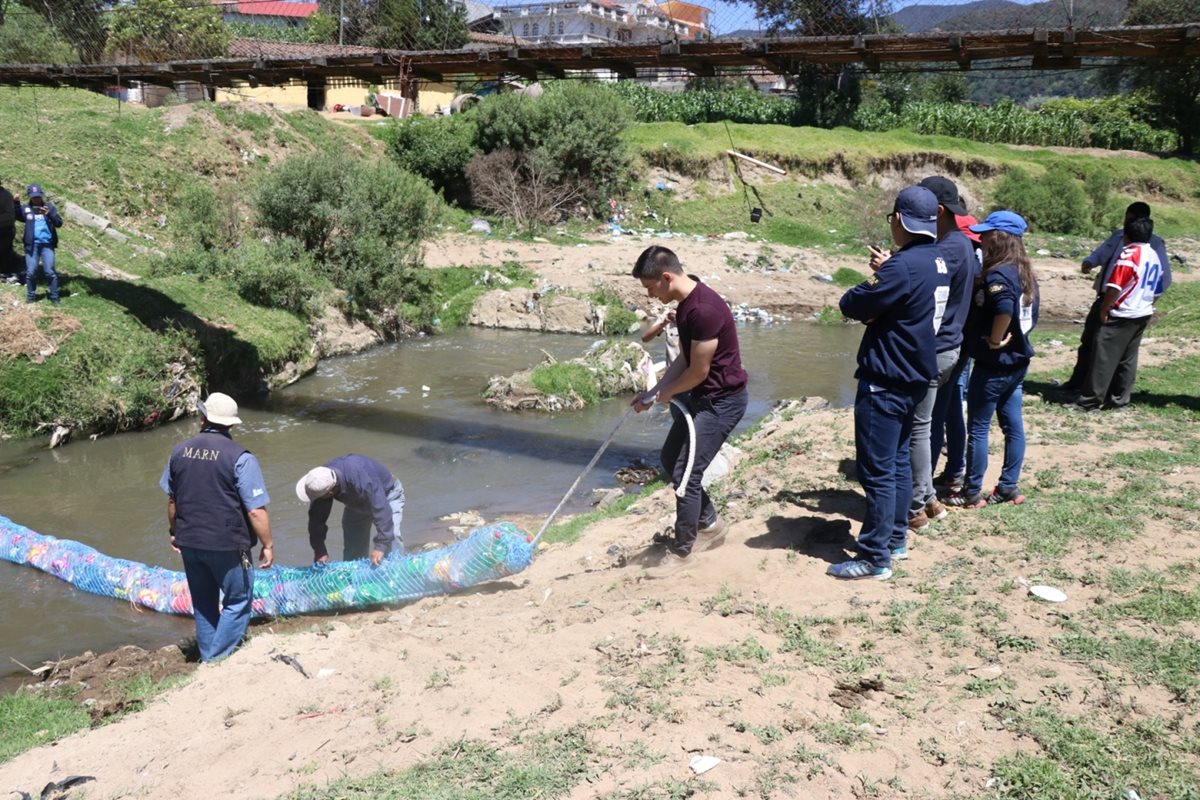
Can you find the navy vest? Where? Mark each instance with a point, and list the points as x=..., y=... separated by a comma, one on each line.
x=208, y=509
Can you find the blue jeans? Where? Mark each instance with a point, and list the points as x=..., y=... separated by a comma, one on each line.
x=356, y=527
x=948, y=424
x=46, y=255
x=996, y=393
x=211, y=574
x=883, y=420
x=714, y=418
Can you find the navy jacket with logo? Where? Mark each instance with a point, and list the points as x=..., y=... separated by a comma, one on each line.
x=900, y=305
x=1001, y=293
x=959, y=254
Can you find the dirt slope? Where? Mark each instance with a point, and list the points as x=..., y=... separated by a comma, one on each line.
x=803, y=686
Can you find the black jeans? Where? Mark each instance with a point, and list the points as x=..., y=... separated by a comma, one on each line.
x=1114, y=363
x=1087, y=347
x=714, y=418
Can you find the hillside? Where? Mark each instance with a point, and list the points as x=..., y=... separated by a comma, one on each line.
x=921, y=16
x=1049, y=14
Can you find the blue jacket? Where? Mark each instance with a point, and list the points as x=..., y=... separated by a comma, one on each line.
x=959, y=254
x=1001, y=293
x=363, y=485
x=898, y=303
x=52, y=217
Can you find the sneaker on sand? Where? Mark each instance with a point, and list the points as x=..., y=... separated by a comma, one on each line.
x=858, y=571
x=935, y=511
x=960, y=500
x=998, y=496
x=900, y=553
x=918, y=522
x=711, y=536
x=668, y=565
x=951, y=483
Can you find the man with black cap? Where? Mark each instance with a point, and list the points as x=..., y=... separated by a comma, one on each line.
x=42, y=222
x=958, y=256
x=216, y=511
x=370, y=493
x=901, y=304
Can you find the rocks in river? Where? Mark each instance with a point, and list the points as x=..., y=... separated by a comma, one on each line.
x=608, y=369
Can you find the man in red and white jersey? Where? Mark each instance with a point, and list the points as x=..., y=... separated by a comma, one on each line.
x=1128, y=303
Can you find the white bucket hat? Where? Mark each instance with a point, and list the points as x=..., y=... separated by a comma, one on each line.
x=220, y=409
x=318, y=482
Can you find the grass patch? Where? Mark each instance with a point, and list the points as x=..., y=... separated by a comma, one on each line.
x=1174, y=663
x=566, y=378
x=547, y=765
x=570, y=530
x=846, y=277
x=1080, y=762
x=444, y=297
x=29, y=719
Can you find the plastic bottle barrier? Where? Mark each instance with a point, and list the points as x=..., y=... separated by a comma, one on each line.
x=489, y=553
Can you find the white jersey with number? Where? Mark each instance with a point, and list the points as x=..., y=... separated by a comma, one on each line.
x=1137, y=277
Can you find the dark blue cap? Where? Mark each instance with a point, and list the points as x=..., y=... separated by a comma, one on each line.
x=35, y=191
x=918, y=207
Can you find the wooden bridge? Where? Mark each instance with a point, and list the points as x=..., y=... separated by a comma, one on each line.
x=1037, y=49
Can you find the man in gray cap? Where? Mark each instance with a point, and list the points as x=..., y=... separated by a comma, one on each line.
x=899, y=304
x=370, y=493
x=216, y=511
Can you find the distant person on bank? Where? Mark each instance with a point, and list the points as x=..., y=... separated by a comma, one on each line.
x=216, y=512
x=1104, y=258
x=42, y=222
x=1130, y=292
x=370, y=493
x=709, y=379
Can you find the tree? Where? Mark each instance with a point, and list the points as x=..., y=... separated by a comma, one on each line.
x=79, y=22
x=166, y=30
x=827, y=95
x=1174, y=84
x=400, y=24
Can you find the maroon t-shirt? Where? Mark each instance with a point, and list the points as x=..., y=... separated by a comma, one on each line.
x=701, y=316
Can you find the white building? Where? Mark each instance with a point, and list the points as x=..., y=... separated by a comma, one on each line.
x=597, y=21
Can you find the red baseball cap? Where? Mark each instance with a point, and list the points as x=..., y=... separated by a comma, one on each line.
x=964, y=222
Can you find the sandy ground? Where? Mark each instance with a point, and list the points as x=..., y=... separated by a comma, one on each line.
x=674, y=667
x=774, y=277
x=582, y=638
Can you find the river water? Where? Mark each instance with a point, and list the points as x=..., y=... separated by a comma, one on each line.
x=450, y=450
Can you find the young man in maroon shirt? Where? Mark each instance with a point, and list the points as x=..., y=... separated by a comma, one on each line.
x=710, y=381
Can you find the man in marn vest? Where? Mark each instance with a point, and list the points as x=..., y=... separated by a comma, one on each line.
x=216, y=511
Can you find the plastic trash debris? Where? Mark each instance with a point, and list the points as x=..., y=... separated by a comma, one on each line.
x=325, y=672
x=1048, y=593
x=480, y=225
x=702, y=764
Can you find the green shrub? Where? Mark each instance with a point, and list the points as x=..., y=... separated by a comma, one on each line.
x=362, y=221
x=1097, y=187
x=564, y=378
x=574, y=130
x=204, y=221
x=437, y=149
x=707, y=105
x=1055, y=203
x=279, y=275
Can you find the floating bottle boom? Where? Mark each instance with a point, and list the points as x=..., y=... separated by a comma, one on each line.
x=489, y=553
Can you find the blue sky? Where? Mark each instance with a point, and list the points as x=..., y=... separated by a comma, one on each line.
x=728, y=16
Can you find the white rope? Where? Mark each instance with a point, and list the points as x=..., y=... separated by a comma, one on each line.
x=586, y=470
x=681, y=489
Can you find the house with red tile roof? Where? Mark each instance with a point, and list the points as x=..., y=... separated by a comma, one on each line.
x=289, y=13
